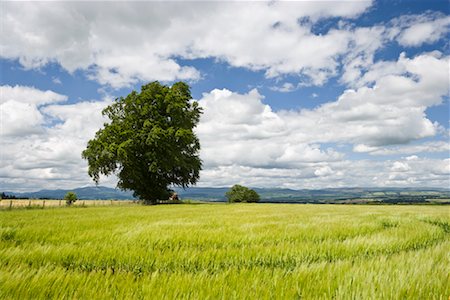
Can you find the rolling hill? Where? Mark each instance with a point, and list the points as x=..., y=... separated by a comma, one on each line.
x=332, y=195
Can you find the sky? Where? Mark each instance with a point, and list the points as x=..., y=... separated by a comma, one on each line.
x=300, y=95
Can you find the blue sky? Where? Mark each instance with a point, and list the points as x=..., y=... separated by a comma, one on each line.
x=297, y=95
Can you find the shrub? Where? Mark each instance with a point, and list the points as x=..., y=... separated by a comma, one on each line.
x=239, y=193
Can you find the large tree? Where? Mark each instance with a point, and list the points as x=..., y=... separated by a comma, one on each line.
x=149, y=142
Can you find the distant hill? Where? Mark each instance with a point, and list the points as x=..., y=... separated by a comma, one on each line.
x=84, y=193
x=332, y=195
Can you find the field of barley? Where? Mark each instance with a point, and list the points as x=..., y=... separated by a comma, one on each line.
x=40, y=203
x=222, y=251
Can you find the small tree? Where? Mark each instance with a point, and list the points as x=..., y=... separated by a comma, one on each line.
x=239, y=193
x=70, y=198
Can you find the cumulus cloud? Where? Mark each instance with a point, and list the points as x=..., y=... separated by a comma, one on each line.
x=365, y=43
x=42, y=144
x=243, y=141
x=236, y=127
x=323, y=171
x=19, y=107
x=344, y=173
x=407, y=30
x=427, y=147
x=240, y=129
x=416, y=30
x=390, y=112
x=417, y=171
x=274, y=37
x=399, y=166
x=30, y=95
x=383, y=111
x=231, y=116
x=242, y=135
x=19, y=119
x=144, y=45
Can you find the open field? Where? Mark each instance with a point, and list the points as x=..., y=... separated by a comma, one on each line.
x=243, y=251
x=40, y=203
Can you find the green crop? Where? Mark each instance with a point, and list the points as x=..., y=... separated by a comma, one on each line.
x=220, y=251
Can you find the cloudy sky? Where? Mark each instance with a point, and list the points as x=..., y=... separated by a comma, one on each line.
x=307, y=94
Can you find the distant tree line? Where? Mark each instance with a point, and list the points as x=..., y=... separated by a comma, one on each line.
x=6, y=196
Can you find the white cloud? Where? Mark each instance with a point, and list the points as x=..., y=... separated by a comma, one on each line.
x=243, y=141
x=41, y=145
x=56, y=80
x=19, y=109
x=19, y=119
x=323, y=171
x=285, y=88
x=240, y=129
x=390, y=112
x=427, y=147
x=30, y=95
x=418, y=172
x=412, y=157
x=416, y=30
x=407, y=30
x=344, y=173
x=400, y=167
x=144, y=45
x=365, y=43
x=383, y=112
x=429, y=68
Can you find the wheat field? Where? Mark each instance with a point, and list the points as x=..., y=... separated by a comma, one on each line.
x=226, y=251
x=40, y=203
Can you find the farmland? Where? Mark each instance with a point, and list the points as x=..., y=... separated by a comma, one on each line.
x=41, y=203
x=244, y=251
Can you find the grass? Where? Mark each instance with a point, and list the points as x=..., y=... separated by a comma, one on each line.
x=40, y=203
x=219, y=251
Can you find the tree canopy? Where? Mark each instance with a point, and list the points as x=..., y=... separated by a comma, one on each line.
x=70, y=198
x=149, y=142
x=239, y=193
